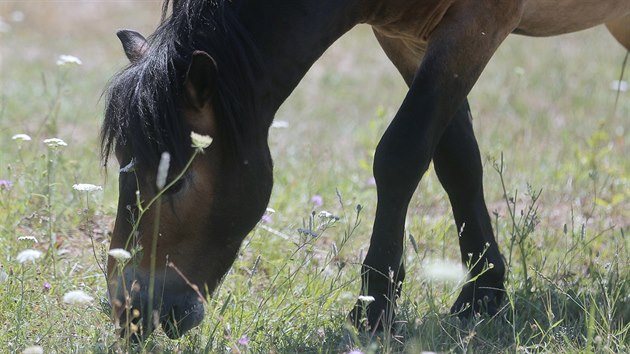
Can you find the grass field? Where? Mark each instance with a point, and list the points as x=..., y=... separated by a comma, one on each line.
x=545, y=117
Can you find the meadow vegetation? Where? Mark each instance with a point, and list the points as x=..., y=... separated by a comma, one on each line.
x=557, y=177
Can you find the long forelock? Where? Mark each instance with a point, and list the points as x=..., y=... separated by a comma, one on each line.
x=142, y=113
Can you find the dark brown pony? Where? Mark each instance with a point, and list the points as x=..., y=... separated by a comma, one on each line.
x=222, y=68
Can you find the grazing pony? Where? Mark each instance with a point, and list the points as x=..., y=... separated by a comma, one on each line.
x=222, y=68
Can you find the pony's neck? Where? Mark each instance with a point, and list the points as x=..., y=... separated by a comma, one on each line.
x=291, y=36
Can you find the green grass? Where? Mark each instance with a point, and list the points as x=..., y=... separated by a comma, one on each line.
x=544, y=117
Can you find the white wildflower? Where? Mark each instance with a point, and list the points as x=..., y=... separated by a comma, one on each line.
x=200, y=141
x=270, y=210
x=86, y=187
x=325, y=214
x=328, y=215
x=76, y=297
x=28, y=238
x=280, y=124
x=618, y=85
x=35, y=349
x=17, y=16
x=55, y=142
x=28, y=256
x=119, y=254
x=68, y=59
x=443, y=271
x=355, y=351
x=21, y=137
x=4, y=27
x=366, y=298
x=162, y=172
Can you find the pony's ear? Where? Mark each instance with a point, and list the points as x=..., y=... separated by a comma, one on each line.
x=134, y=44
x=201, y=79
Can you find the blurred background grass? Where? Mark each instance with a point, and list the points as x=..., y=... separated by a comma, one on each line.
x=545, y=104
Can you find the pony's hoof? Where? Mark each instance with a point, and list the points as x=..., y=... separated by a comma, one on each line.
x=478, y=299
x=372, y=317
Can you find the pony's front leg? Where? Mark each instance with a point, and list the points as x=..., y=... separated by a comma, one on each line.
x=456, y=54
x=402, y=156
x=457, y=163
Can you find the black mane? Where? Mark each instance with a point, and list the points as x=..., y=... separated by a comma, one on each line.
x=143, y=114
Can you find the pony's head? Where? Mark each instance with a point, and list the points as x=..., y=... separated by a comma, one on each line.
x=185, y=226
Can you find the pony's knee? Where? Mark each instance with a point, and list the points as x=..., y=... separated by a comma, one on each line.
x=457, y=163
x=399, y=163
x=461, y=181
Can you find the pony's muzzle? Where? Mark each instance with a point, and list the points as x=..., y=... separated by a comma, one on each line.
x=176, y=307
